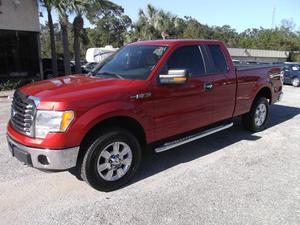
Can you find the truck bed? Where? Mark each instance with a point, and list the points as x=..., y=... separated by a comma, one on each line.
x=249, y=81
x=249, y=67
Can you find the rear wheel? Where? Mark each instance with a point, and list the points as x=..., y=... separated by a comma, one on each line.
x=256, y=119
x=296, y=82
x=111, y=160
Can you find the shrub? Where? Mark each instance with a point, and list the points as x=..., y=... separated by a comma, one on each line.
x=6, y=85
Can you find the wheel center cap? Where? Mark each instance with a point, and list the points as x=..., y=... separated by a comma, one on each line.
x=115, y=161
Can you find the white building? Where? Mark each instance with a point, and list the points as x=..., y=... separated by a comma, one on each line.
x=19, y=39
x=258, y=55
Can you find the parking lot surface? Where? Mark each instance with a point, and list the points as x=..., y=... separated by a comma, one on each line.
x=232, y=177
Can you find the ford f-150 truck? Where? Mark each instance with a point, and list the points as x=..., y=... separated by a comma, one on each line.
x=150, y=93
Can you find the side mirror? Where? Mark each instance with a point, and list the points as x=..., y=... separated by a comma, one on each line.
x=174, y=77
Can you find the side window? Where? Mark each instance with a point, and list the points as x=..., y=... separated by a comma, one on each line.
x=295, y=67
x=187, y=57
x=219, y=64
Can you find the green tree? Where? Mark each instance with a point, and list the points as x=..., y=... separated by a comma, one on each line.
x=195, y=30
x=152, y=23
x=226, y=34
x=280, y=38
x=48, y=4
x=63, y=8
x=144, y=27
x=110, y=30
x=91, y=9
x=112, y=27
x=79, y=7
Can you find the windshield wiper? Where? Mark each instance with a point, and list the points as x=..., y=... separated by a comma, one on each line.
x=110, y=73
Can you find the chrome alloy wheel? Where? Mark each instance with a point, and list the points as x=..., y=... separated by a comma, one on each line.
x=295, y=82
x=260, y=115
x=114, y=161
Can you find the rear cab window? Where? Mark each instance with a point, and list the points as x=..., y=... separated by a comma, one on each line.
x=216, y=61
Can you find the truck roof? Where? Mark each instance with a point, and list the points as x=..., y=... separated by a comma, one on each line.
x=171, y=42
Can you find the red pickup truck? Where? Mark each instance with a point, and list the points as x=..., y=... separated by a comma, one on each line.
x=157, y=93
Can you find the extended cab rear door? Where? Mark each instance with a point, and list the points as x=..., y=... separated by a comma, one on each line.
x=221, y=71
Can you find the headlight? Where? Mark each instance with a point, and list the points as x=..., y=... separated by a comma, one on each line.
x=281, y=75
x=52, y=121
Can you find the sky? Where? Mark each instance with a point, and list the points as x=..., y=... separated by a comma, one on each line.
x=239, y=14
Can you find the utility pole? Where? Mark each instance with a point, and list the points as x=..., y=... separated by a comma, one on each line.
x=273, y=16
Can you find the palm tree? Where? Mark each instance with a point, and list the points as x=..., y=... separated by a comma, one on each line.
x=154, y=23
x=91, y=9
x=48, y=4
x=146, y=22
x=164, y=23
x=63, y=6
x=77, y=27
x=79, y=7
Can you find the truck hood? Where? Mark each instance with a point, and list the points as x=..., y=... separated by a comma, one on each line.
x=73, y=87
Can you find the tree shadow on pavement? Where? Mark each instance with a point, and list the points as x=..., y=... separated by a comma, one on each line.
x=153, y=163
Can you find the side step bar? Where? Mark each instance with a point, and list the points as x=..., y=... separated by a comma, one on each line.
x=173, y=144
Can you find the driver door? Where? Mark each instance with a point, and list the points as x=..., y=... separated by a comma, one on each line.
x=179, y=108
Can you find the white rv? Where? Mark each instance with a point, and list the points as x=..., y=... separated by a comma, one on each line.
x=99, y=54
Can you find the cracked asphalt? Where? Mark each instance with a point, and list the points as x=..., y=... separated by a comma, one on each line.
x=232, y=177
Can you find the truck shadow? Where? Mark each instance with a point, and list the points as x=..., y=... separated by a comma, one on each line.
x=153, y=163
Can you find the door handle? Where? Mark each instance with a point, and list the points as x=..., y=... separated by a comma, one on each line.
x=208, y=86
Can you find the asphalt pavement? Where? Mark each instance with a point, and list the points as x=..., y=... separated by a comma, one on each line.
x=232, y=177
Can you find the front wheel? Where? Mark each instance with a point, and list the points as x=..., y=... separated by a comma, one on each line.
x=111, y=160
x=256, y=119
x=296, y=82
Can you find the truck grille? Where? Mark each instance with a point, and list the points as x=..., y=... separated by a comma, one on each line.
x=22, y=113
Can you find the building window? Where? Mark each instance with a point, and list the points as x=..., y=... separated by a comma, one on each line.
x=19, y=56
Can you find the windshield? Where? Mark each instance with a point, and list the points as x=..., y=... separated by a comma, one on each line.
x=133, y=62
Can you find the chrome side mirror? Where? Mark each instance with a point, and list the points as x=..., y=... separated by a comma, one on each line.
x=174, y=77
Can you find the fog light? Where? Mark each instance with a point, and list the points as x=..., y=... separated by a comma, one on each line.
x=43, y=160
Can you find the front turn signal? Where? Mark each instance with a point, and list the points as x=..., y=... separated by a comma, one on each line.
x=67, y=119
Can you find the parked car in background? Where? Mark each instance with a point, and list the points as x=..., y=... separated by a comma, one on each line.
x=82, y=62
x=88, y=67
x=291, y=73
x=47, y=68
x=236, y=62
x=277, y=63
x=252, y=62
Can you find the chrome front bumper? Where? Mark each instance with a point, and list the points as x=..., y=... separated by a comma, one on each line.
x=61, y=159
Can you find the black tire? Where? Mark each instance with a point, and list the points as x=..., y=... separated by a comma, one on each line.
x=296, y=82
x=89, y=163
x=248, y=119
